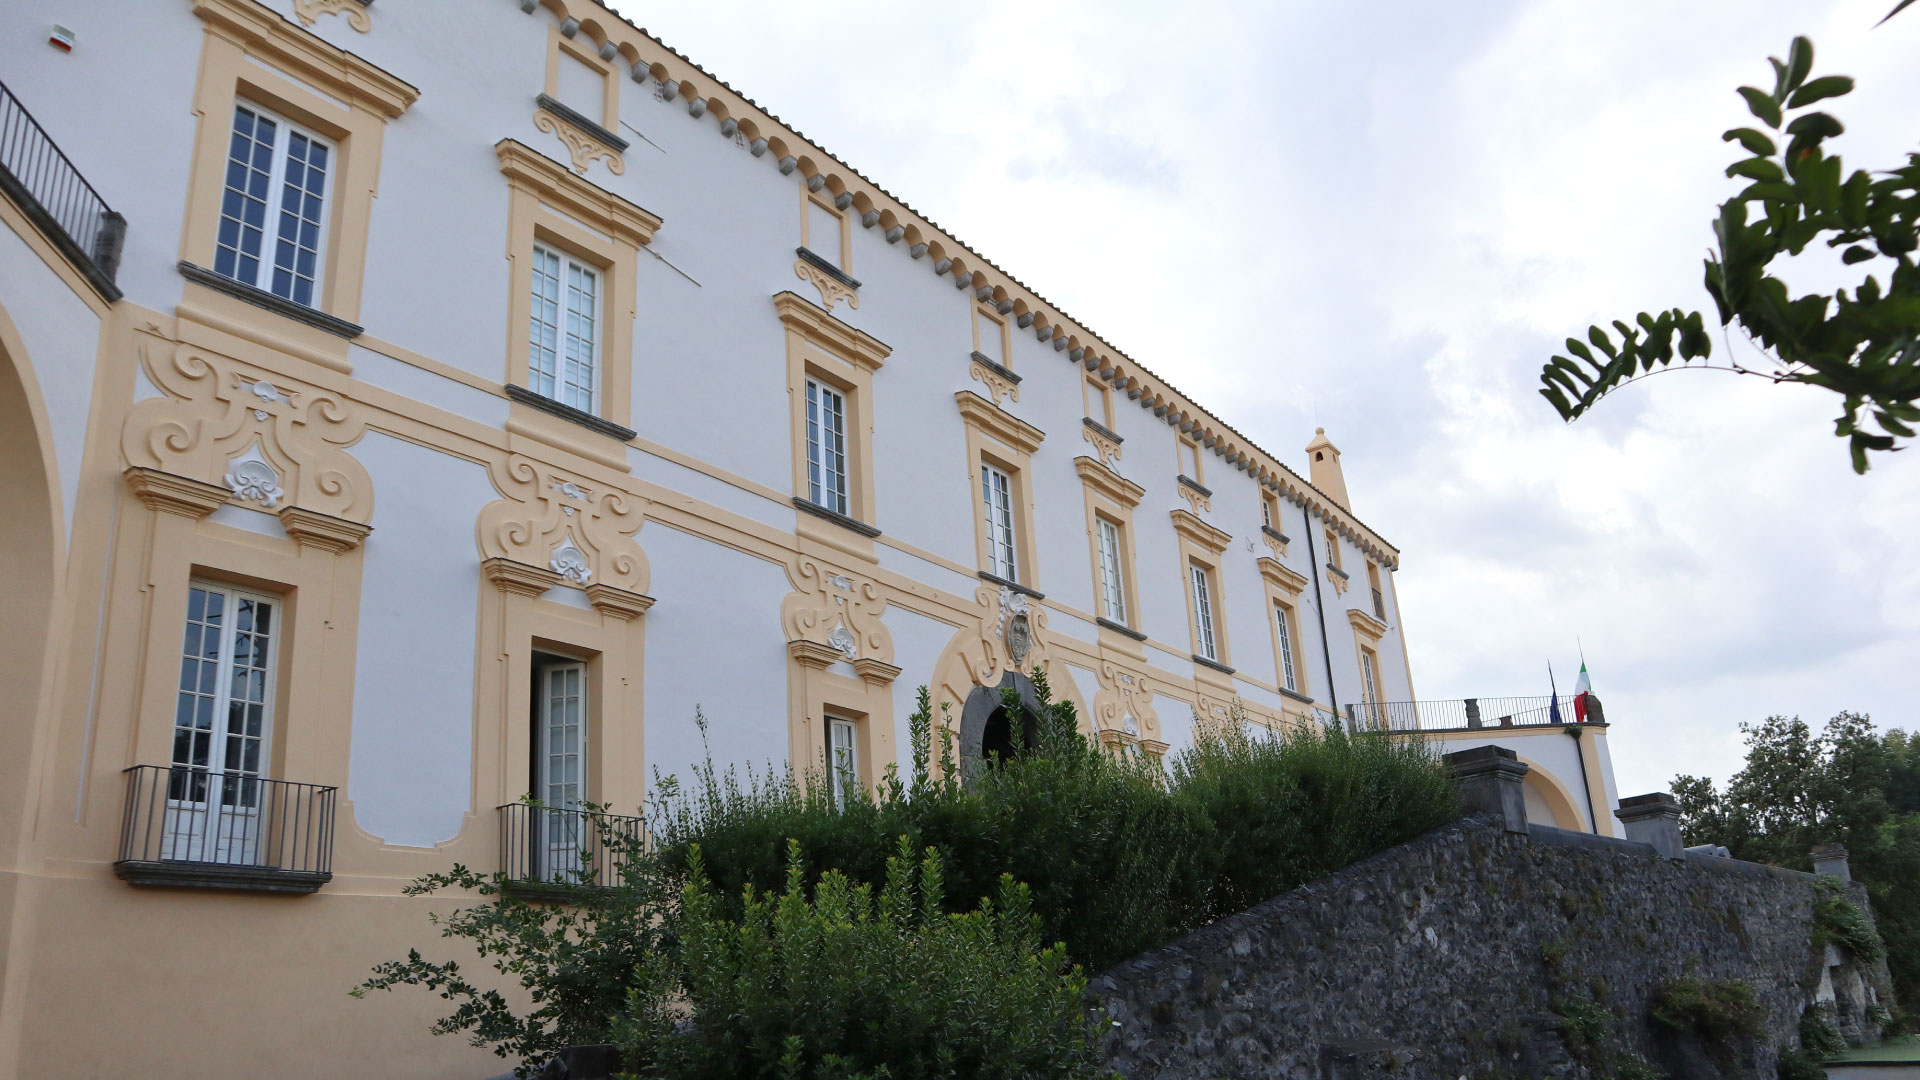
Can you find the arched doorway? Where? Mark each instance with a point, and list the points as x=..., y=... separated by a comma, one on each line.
x=986, y=728
x=31, y=536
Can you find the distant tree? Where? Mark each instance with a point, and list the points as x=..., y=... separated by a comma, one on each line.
x=1863, y=343
x=1848, y=785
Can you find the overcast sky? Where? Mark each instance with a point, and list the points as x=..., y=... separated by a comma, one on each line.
x=1382, y=218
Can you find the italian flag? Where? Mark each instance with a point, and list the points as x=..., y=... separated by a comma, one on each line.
x=1581, y=688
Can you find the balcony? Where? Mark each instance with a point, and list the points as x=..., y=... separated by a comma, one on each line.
x=547, y=853
x=1466, y=714
x=193, y=828
x=47, y=188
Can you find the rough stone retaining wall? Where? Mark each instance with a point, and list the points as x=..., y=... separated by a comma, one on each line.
x=1455, y=956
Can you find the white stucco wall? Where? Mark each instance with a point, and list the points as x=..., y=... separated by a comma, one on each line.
x=62, y=338
x=410, y=767
x=713, y=645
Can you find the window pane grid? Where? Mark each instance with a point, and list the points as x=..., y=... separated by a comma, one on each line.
x=275, y=174
x=843, y=762
x=996, y=491
x=1112, y=592
x=582, y=286
x=1285, y=626
x=826, y=447
x=1203, y=611
x=543, y=324
x=243, y=206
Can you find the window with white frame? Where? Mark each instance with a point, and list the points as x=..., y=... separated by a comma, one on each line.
x=826, y=447
x=1283, y=625
x=843, y=759
x=563, y=330
x=222, y=725
x=1367, y=681
x=1113, y=591
x=273, y=212
x=996, y=492
x=559, y=766
x=1203, y=610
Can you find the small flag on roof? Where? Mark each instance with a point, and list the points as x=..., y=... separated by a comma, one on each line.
x=1581, y=690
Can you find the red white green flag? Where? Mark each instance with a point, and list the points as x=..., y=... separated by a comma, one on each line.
x=1581, y=689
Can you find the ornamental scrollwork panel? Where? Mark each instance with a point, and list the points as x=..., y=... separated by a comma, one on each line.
x=550, y=518
x=270, y=440
x=1124, y=703
x=836, y=608
x=309, y=11
x=582, y=148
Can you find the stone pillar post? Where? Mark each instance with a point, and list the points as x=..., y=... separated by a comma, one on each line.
x=1489, y=779
x=1831, y=859
x=1654, y=819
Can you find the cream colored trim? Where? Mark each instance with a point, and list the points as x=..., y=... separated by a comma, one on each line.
x=1368, y=627
x=265, y=34
x=310, y=528
x=997, y=385
x=1283, y=578
x=528, y=169
x=995, y=437
x=827, y=333
x=548, y=206
x=623, y=604
x=1200, y=534
x=1113, y=497
x=582, y=148
x=164, y=492
x=609, y=117
x=518, y=578
x=1108, y=483
x=983, y=416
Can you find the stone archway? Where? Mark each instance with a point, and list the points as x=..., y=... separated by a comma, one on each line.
x=985, y=727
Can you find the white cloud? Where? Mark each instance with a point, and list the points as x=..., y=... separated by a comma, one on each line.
x=1383, y=219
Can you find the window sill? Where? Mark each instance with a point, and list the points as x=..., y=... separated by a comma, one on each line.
x=992, y=365
x=1283, y=538
x=1099, y=428
x=1304, y=699
x=1120, y=628
x=203, y=875
x=996, y=579
x=279, y=305
x=835, y=516
x=1344, y=576
x=1214, y=664
x=567, y=412
x=574, y=117
x=1188, y=481
x=827, y=268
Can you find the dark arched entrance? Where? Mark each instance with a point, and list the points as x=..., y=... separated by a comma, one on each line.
x=985, y=727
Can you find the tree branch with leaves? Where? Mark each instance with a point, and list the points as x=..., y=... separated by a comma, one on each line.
x=1862, y=343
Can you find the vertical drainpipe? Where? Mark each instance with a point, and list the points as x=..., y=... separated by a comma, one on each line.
x=1579, y=752
x=1326, y=653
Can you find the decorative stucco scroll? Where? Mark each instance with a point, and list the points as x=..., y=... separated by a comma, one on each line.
x=271, y=440
x=309, y=12
x=832, y=289
x=582, y=147
x=547, y=517
x=836, y=608
x=1124, y=703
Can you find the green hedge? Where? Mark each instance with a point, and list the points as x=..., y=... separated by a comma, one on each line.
x=1120, y=856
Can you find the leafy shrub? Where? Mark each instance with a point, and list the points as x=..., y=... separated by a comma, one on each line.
x=1120, y=857
x=1795, y=1064
x=1724, y=1014
x=1839, y=921
x=573, y=961
x=847, y=984
x=1818, y=1038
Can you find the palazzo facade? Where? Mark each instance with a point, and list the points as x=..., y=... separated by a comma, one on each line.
x=410, y=407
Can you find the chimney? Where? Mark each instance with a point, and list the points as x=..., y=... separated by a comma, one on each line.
x=1323, y=459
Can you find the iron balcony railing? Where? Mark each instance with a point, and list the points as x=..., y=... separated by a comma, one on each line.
x=549, y=846
x=189, y=826
x=1461, y=714
x=50, y=191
